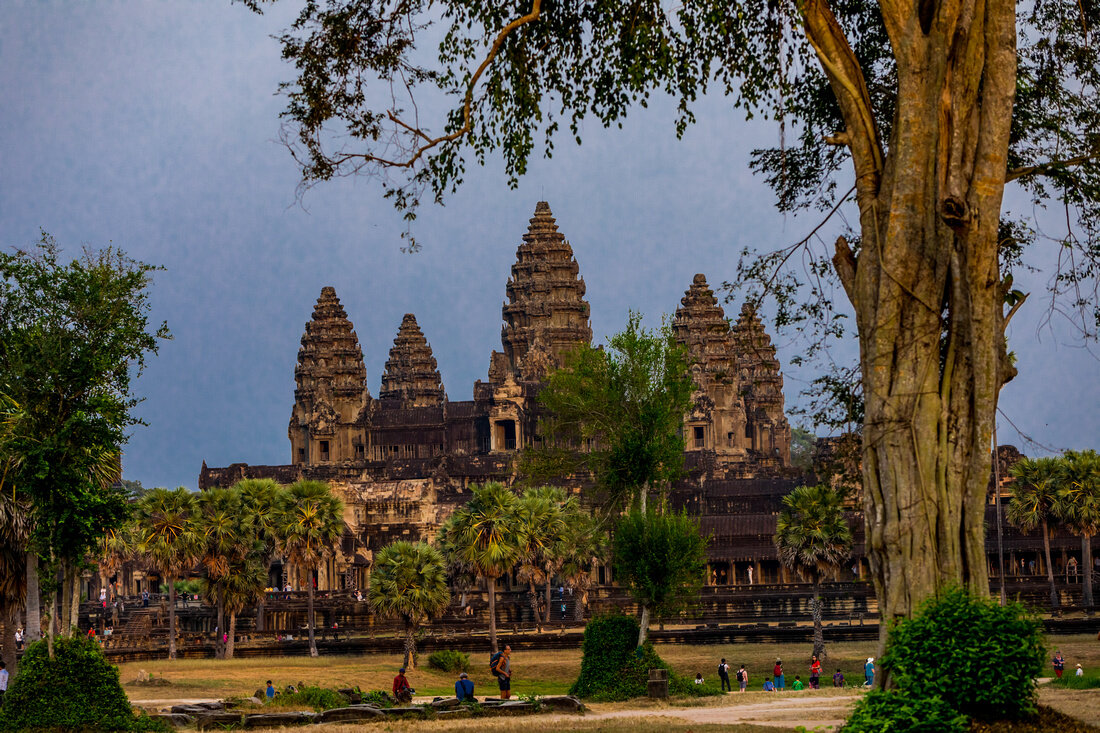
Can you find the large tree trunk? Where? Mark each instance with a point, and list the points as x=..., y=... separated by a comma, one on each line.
x=171, y=617
x=819, y=630
x=219, y=645
x=491, y=582
x=65, y=615
x=533, y=598
x=75, y=599
x=312, y=637
x=33, y=631
x=410, y=644
x=1054, y=602
x=228, y=653
x=1086, y=562
x=643, y=625
x=549, y=577
x=926, y=287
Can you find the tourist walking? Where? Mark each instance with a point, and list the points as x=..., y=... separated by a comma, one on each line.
x=815, y=674
x=1059, y=664
x=742, y=678
x=780, y=679
x=724, y=676
x=838, y=678
x=501, y=665
x=869, y=672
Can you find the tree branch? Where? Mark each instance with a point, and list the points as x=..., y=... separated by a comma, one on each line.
x=1043, y=169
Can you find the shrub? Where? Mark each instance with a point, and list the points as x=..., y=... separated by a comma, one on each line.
x=76, y=690
x=901, y=711
x=613, y=667
x=318, y=698
x=449, y=660
x=381, y=698
x=1087, y=681
x=977, y=656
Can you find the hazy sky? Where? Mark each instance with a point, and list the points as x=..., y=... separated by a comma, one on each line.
x=154, y=126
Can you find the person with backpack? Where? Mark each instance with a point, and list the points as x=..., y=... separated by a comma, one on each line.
x=500, y=665
x=742, y=678
x=780, y=680
x=724, y=676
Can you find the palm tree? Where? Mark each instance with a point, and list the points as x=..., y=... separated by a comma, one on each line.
x=311, y=521
x=169, y=538
x=260, y=500
x=409, y=581
x=14, y=532
x=539, y=526
x=484, y=536
x=813, y=538
x=243, y=585
x=1034, y=500
x=227, y=538
x=1079, y=504
x=583, y=544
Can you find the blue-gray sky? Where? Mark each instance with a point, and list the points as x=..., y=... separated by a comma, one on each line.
x=154, y=126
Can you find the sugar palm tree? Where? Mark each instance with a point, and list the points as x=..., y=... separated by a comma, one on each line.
x=14, y=533
x=311, y=521
x=169, y=538
x=1079, y=504
x=409, y=581
x=260, y=500
x=484, y=536
x=539, y=525
x=813, y=538
x=583, y=544
x=242, y=586
x=227, y=537
x=1033, y=504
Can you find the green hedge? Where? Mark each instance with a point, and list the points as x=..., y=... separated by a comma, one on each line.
x=900, y=711
x=449, y=660
x=76, y=690
x=613, y=667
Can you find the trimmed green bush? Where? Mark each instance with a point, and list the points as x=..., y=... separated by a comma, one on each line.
x=318, y=698
x=977, y=656
x=77, y=690
x=901, y=711
x=449, y=660
x=614, y=668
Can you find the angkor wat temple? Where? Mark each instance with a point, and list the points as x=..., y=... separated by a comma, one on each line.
x=402, y=461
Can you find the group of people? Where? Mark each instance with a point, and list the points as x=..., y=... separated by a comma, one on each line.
x=780, y=682
x=500, y=666
x=1060, y=664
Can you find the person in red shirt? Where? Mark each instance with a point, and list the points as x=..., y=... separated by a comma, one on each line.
x=401, y=689
x=815, y=674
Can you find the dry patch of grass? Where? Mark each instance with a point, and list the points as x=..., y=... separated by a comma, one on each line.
x=653, y=724
x=1084, y=705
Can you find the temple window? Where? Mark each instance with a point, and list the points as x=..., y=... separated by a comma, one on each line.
x=698, y=436
x=506, y=434
x=729, y=439
x=324, y=450
x=359, y=450
x=301, y=455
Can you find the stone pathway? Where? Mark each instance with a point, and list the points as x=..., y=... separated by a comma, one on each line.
x=786, y=712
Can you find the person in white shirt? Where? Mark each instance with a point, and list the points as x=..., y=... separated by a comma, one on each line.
x=1080, y=672
x=3, y=683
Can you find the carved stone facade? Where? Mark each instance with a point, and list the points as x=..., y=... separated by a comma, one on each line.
x=404, y=461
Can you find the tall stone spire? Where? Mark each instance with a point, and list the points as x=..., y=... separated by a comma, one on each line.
x=762, y=386
x=546, y=313
x=331, y=385
x=411, y=374
x=717, y=419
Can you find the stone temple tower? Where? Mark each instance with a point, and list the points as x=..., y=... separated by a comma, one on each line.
x=762, y=387
x=717, y=419
x=546, y=313
x=331, y=388
x=412, y=377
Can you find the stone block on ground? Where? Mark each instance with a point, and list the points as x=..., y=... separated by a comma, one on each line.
x=397, y=712
x=275, y=720
x=189, y=709
x=260, y=693
x=445, y=703
x=562, y=703
x=176, y=720
x=354, y=697
x=217, y=720
x=352, y=714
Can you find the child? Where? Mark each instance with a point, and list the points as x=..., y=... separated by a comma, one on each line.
x=270, y=691
x=768, y=686
x=698, y=678
x=797, y=683
x=838, y=678
x=1080, y=672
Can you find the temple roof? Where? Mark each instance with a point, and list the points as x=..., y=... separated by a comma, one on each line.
x=411, y=372
x=701, y=325
x=330, y=359
x=546, y=311
x=759, y=366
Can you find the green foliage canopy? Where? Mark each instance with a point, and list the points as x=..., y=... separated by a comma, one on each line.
x=661, y=557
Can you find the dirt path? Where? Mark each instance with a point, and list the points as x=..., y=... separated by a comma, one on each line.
x=785, y=712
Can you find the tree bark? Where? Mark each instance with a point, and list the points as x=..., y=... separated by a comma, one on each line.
x=219, y=645
x=533, y=599
x=643, y=625
x=231, y=639
x=1054, y=602
x=926, y=288
x=171, y=617
x=491, y=582
x=1086, y=562
x=33, y=631
x=65, y=616
x=75, y=622
x=819, y=630
x=549, y=577
x=410, y=644
x=312, y=637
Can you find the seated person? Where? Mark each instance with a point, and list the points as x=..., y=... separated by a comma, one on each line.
x=401, y=690
x=464, y=688
x=768, y=686
x=797, y=683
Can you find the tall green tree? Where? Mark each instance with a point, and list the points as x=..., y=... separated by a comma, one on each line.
x=228, y=540
x=14, y=530
x=583, y=545
x=73, y=337
x=1079, y=505
x=540, y=524
x=617, y=412
x=813, y=538
x=1033, y=504
x=928, y=109
x=409, y=581
x=484, y=536
x=260, y=499
x=311, y=521
x=662, y=558
x=170, y=539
